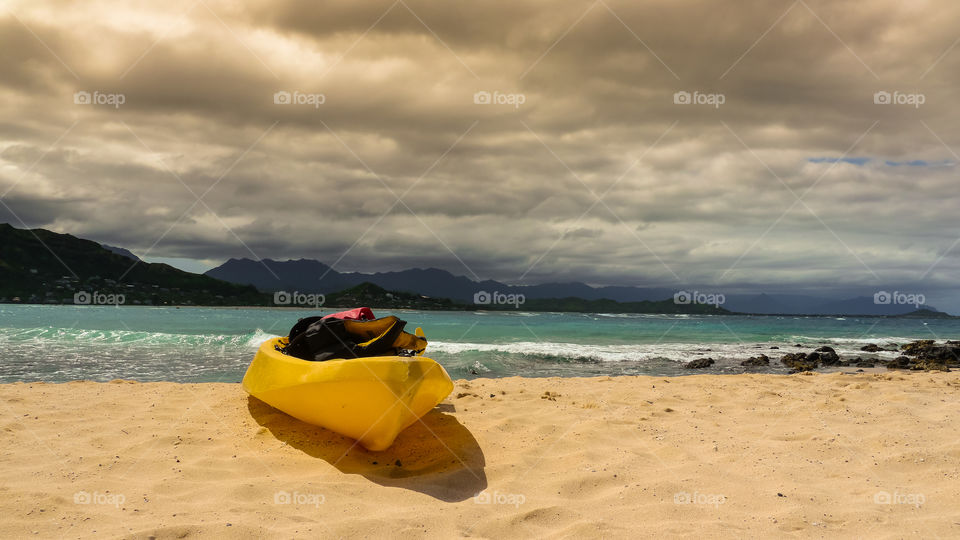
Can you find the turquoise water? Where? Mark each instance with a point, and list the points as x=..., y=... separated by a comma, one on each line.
x=62, y=343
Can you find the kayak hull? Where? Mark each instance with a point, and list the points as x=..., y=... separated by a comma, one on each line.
x=369, y=399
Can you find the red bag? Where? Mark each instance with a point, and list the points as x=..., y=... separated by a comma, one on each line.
x=358, y=314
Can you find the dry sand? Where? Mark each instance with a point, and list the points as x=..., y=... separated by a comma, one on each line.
x=819, y=455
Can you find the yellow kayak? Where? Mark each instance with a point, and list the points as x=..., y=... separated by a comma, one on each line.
x=371, y=399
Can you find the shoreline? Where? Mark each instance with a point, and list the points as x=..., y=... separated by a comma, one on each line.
x=840, y=455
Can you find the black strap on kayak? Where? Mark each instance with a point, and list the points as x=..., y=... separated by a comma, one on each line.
x=302, y=326
x=380, y=344
x=322, y=340
x=318, y=339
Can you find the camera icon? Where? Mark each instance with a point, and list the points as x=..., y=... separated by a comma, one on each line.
x=682, y=98
x=81, y=497
x=882, y=298
x=882, y=98
x=482, y=98
x=681, y=497
x=682, y=298
x=282, y=298
x=882, y=497
x=482, y=297
x=282, y=98
x=482, y=498
x=281, y=497
x=82, y=98
x=82, y=298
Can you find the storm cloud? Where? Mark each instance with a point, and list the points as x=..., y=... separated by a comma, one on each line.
x=775, y=145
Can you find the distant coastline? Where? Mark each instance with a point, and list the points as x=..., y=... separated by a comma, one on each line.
x=43, y=267
x=458, y=308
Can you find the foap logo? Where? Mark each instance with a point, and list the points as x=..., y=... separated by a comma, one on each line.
x=283, y=97
x=913, y=499
x=697, y=98
x=84, y=298
x=510, y=499
x=899, y=98
x=897, y=298
x=683, y=298
x=297, y=298
x=484, y=298
x=83, y=97
x=300, y=499
x=108, y=499
x=707, y=499
x=498, y=98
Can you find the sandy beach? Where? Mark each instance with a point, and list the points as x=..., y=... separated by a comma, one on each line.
x=824, y=455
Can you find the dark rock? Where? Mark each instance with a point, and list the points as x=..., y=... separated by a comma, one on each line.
x=944, y=354
x=891, y=347
x=755, y=361
x=871, y=348
x=900, y=362
x=947, y=354
x=825, y=355
x=799, y=362
x=928, y=353
x=915, y=348
x=699, y=363
x=929, y=365
x=774, y=348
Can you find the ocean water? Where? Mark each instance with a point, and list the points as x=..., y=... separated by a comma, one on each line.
x=63, y=343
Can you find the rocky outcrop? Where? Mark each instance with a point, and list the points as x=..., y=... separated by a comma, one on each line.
x=825, y=356
x=929, y=365
x=900, y=362
x=699, y=363
x=799, y=362
x=919, y=355
x=927, y=355
x=918, y=347
x=861, y=363
x=756, y=361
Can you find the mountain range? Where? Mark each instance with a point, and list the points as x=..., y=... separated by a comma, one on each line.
x=43, y=266
x=312, y=276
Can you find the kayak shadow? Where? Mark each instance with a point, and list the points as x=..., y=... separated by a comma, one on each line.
x=437, y=456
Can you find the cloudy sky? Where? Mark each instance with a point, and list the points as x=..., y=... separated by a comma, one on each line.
x=765, y=145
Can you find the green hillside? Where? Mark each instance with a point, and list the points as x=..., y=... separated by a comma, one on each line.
x=40, y=266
